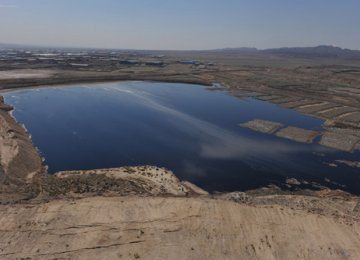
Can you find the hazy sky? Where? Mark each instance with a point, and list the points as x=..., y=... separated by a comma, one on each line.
x=181, y=24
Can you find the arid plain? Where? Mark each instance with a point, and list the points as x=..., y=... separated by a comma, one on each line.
x=146, y=212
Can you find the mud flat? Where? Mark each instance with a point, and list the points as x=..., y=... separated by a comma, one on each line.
x=337, y=111
x=290, y=132
x=262, y=126
x=297, y=134
x=342, y=135
x=347, y=115
x=316, y=108
x=299, y=103
x=339, y=142
x=346, y=140
x=352, y=119
x=343, y=139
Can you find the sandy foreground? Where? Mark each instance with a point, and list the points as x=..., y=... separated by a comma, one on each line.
x=145, y=212
x=172, y=228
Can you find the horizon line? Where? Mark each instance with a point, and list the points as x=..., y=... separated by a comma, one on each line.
x=18, y=45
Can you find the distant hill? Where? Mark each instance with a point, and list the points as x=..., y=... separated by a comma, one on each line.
x=322, y=51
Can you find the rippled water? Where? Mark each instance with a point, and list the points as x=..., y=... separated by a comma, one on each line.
x=186, y=128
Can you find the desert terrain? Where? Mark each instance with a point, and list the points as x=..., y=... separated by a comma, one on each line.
x=153, y=227
x=145, y=212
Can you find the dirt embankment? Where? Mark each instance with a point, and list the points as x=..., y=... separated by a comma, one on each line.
x=19, y=159
x=34, y=78
x=145, y=212
x=133, y=227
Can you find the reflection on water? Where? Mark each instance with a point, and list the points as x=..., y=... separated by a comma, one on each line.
x=186, y=128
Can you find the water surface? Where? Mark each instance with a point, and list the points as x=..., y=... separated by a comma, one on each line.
x=186, y=128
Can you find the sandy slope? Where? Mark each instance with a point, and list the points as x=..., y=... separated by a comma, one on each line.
x=172, y=228
x=19, y=160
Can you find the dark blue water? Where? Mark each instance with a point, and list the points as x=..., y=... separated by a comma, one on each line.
x=185, y=128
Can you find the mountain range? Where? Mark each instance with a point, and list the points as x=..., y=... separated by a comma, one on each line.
x=322, y=51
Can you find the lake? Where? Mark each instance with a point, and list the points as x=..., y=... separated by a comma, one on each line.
x=186, y=128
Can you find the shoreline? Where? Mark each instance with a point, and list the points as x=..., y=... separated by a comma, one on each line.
x=20, y=160
x=147, y=212
x=90, y=82
x=53, y=81
x=46, y=174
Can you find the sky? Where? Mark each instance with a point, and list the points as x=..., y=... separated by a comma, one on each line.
x=181, y=24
